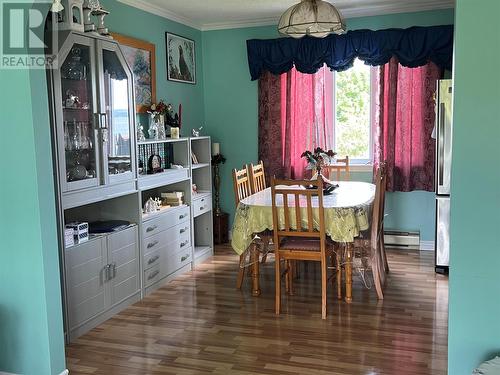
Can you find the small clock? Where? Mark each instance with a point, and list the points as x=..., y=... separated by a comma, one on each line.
x=154, y=164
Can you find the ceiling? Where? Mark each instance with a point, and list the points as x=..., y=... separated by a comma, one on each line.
x=222, y=14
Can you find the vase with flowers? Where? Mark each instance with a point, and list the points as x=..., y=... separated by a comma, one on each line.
x=317, y=159
x=157, y=113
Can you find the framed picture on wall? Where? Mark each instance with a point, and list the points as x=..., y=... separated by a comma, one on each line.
x=140, y=56
x=181, y=64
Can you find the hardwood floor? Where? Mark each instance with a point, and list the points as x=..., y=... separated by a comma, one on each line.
x=200, y=324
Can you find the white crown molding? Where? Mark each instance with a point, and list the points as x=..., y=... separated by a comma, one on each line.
x=162, y=12
x=240, y=24
x=420, y=6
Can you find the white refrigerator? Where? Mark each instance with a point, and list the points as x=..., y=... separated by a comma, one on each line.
x=443, y=133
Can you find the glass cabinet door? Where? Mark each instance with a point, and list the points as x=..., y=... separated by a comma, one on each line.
x=116, y=103
x=79, y=136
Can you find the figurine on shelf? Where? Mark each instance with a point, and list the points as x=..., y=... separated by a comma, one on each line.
x=196, y=132
x=140, y=133
x=101, y=28
x=153, y=130
x=161, y=133
x=149, y=206
x=157, y=113
x=89, y=6
x=158, y=203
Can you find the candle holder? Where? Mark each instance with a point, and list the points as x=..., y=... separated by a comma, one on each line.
x=217, y=159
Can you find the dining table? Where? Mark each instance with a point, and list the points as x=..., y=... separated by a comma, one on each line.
x=347, y=212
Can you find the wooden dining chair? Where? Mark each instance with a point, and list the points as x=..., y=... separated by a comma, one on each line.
x=242, y=189
x=295, y=237
x=241, y=184
x=368, y=247
x=340, y=171
x=257, y=177
x=383, y=188
x=258, y=183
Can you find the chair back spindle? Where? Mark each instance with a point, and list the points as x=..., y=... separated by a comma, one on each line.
x=241, y=184
x=339, y=169
x=257, y=177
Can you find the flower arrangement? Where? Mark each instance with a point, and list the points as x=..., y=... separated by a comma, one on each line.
x=157, y=110
x=218, y=159
x=318, y=158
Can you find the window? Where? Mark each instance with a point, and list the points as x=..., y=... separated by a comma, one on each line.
x=353, y=113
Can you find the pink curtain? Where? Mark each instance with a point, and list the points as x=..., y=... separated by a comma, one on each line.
x=295, y=114
x=404, y=125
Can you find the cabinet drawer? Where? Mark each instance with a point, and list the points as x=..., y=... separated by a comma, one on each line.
x=166, y=220
x=202, y=205
x=164, y=245
x=152, y=275
x=182, y=243
x=179, y=259
x=166, y=237
x=153, y=258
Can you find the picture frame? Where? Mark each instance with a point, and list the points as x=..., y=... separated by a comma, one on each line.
x=181, y=58
x=141, y=57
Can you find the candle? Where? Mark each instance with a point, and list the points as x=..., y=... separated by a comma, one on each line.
x=215, y=148
x=180, y=115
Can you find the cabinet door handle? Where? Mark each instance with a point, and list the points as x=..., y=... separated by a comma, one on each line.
x=202, y=199
x=106, y=270
x=184, y=243
x=113, y=267
x=182, y=216
x=184, y=257
x=150, y=229
x=153, y=259
x=152, y=244
x=202, y=208
x=153, y=275
x=183, y=230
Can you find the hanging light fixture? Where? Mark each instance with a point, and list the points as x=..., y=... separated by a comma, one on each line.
x=316, y=18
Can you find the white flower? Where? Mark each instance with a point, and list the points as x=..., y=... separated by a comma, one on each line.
x=153, y=107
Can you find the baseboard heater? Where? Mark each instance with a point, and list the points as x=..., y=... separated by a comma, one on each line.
x=401, y=239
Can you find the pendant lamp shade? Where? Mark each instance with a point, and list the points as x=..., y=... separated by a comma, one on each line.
x=316, y=18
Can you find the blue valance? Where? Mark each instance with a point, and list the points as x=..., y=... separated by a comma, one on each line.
x=413, y=47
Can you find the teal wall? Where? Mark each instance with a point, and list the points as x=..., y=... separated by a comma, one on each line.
x=232, y=119
x=31, y=329
x=31, y=325
x=136, y=23
x=474, y=330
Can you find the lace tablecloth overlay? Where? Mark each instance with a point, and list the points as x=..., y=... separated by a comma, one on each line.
x=347, y=212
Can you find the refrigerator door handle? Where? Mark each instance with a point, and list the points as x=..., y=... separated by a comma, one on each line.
x=441, y=140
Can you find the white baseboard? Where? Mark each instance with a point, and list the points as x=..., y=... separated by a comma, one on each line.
x=427, y=245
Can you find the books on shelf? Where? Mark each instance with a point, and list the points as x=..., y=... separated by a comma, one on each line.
x=194, y=158
x=173, y=198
